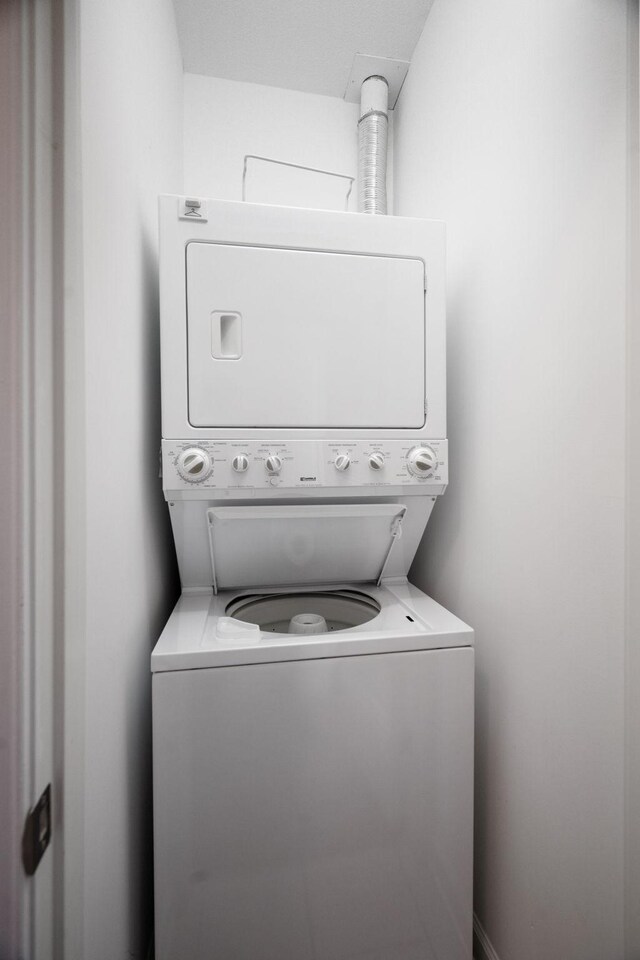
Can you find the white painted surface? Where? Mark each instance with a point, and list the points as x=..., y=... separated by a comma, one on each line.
x=224, y=121
x=346, y=830
x=365, y=66
x=412, y=465
x=199, y=633
x=41, y=439
x=511, y=128
x=316, y=345
x=130, y=83
x=72, y=615
x=14, y=786
x=299, y=46
x=231, y=224
x=301, y=544
x=632, y=818
x=308, y=469
x=30, y=206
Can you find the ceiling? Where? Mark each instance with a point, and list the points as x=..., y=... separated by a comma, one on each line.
x=306, y=45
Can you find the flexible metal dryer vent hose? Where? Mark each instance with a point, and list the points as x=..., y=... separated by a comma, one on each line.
x=372, y=146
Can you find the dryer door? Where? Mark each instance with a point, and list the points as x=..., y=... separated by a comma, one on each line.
x=304, y=339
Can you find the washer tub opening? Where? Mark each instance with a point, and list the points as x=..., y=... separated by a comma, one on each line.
x=273, y=612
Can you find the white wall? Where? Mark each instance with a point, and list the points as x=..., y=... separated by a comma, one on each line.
x=13, y=173
x=30, y=212
x=224, y=120
x=130, y=83
x=511, y=128
x=632, y=811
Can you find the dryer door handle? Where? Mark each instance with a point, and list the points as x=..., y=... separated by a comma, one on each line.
x=226, y=335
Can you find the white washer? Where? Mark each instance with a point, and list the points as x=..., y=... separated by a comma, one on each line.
x=312, y=710
x=313, y=793
x=312, y=790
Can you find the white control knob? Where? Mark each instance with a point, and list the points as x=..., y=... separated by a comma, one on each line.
x=194, y=465
x=342, y=461
x=240, y=463
x=376, y=461
x=421, y=462
x=273, y=464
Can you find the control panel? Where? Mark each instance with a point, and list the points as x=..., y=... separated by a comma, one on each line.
x=229, y=464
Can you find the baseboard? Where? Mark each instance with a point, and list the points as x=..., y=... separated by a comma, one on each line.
x=482, y=946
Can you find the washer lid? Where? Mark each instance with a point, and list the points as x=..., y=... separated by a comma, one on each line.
x=309, y=543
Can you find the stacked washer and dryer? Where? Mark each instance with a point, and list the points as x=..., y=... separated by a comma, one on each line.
x=312, y=709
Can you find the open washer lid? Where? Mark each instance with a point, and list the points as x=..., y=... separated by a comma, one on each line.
x=303, y=544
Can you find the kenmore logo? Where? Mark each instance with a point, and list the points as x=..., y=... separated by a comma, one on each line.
x=308, y=478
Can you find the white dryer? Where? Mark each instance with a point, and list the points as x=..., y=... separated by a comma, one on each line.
x=312, y=710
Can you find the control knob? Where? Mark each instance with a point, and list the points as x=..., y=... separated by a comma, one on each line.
x=240, y=463
x=422, y=462
x=194, y=465
x=376, y=461
x=342, y=461
x=273, y=464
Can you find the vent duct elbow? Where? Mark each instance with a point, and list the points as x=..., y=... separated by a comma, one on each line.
x=372, y=146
